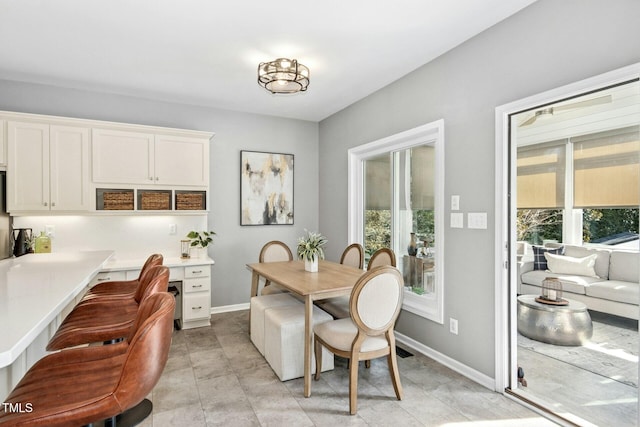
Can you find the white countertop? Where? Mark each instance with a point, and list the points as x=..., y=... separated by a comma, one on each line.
x=34, y=289
x=116, y=264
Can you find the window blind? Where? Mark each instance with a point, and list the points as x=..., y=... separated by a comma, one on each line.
x=607, y=169
x=541, y=175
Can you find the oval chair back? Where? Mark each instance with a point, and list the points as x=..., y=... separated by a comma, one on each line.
x=353, y=255
x=383, y=256
x=376, y=300
x=274, y=251
x=148, y=349
x=153, y=280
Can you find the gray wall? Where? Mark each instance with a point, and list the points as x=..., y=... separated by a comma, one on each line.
x=549, y=44
x=234, y=245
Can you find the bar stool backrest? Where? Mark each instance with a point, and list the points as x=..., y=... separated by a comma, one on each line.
x=152, y=261
x=153, y=280
x=148, y=349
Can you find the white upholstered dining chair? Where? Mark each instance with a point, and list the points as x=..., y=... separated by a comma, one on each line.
x=274, y=251
x=375, y=303
x=353, y=255
x=338, y=307
x=383, y=256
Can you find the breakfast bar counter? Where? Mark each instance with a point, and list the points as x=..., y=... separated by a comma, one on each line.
x=34, y=290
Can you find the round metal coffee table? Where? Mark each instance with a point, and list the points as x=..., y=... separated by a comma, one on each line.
x=554, y=324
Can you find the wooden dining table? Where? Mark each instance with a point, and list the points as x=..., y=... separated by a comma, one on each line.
x=331, y=280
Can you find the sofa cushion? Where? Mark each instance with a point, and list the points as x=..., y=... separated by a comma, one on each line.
x=573, y=284
x=569, y=265
x=539, y=261
x=624, y=266
x=615, y=290
x=602, y=262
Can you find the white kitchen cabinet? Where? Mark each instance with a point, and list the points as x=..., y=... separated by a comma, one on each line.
x=48, y=167
x=137, y=158
x=122, y=157
x=181, y=161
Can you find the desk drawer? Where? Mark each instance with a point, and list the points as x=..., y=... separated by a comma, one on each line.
x=197, y=271
x=108, y=276
x=196, y=306
x=196, y=285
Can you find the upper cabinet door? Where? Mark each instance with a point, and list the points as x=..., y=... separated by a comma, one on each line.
x=28, y=174
x=122, y=157
x=181, y=161
x=69, y=163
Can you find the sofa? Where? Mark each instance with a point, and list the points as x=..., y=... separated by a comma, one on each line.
x=605, y=279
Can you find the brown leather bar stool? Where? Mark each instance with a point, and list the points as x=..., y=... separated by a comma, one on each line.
x=107, y=319
x=84, y=385
x=121, y=288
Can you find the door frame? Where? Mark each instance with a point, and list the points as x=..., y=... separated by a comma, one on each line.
x=505, y=172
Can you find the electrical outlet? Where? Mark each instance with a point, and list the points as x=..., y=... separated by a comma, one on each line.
x=50, y=230
x=453, y=326
x=173, y=229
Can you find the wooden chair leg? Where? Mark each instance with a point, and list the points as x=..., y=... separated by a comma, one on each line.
x=353, y=386
x=367, y=363
x=318, y=350
x=395, y=375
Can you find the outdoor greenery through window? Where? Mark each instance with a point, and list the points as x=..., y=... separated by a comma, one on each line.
x=603, y=226
x=399, y=200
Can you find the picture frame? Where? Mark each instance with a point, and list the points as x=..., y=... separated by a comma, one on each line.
x=266, y=188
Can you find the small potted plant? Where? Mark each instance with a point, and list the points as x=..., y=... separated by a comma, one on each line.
x=200, y=240
x=310, y=250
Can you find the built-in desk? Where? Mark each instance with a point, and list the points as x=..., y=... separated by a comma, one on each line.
x=34, y=291
x=193, y=273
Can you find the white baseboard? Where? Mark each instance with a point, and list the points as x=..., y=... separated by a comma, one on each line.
x=462, y=369
x=229, y=308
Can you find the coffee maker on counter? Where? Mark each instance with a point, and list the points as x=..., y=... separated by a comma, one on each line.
x=22, y=238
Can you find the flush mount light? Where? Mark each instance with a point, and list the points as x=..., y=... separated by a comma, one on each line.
x=283, y=76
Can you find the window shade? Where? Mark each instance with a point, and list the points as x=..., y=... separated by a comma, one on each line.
x=607, y=169
x=541, y=176
x=378, y=183
x=423, y=177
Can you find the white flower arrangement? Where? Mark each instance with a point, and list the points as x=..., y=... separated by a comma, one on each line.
x=310, y=246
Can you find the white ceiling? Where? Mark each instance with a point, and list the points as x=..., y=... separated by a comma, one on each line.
x=206, y=52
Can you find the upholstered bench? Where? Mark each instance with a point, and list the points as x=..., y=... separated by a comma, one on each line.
x=284, y=340
x=258, y=307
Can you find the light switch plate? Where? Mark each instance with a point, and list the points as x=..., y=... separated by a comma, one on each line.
x=457, y=220
x=477, y=220
x=455, y=203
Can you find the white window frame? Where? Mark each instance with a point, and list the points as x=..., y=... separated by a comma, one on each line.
x=427, y=306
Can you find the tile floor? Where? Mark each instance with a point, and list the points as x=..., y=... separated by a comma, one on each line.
x=216, y=377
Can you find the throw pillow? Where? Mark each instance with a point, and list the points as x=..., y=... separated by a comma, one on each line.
x=561, y=264
x=539, y=261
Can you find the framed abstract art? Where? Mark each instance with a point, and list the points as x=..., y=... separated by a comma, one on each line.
x=266, y=188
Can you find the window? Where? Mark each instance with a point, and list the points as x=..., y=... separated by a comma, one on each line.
x=578, y=181
x=395, y=189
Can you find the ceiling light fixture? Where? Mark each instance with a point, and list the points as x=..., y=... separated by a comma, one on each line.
x=283, y=76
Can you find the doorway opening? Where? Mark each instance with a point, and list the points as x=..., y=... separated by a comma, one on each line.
x=567, y=184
